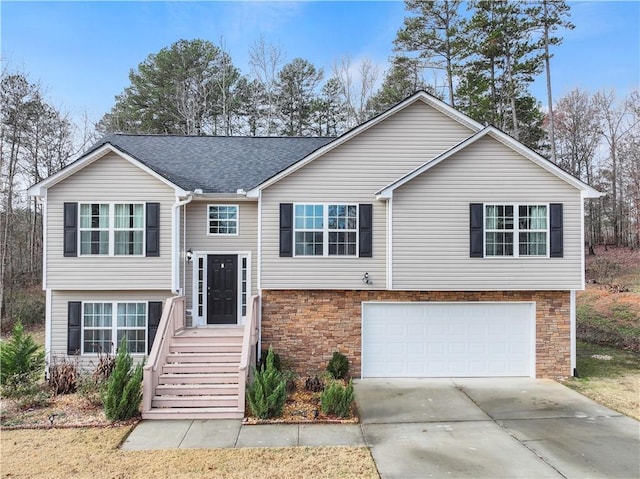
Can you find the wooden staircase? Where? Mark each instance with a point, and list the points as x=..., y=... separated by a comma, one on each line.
x=200, y=376
x=199, y=373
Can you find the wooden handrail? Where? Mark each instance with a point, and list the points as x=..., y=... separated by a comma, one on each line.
x=173, y=319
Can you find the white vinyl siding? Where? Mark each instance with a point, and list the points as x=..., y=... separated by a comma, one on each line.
x=108, y=180
x=199, y=241
x=59, y=318
x=351, y=174
x=431, y=224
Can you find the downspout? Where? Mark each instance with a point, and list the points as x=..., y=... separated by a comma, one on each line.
x=175, y=243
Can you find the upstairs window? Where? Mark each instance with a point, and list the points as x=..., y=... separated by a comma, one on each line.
x=516, y=230
x=112, y=229
x=326, y=230
x=223, y=220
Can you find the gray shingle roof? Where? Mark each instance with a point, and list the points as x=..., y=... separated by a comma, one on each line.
x=215, y=164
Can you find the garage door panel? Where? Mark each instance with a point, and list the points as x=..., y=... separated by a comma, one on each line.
x=447, y=339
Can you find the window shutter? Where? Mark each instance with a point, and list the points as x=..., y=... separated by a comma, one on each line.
x=366, y=239
x=70, y=229
x=286, y=229
x=476, y=230
x=74, y=327
x=152, y=248
x=556, y=240
x=153, y=320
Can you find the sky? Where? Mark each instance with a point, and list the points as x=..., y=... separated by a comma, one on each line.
x=82, y=51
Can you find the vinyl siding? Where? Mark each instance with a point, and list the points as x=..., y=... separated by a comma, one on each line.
x=199, y=241
x=431, y=224
x=352, y=173
x=59, y=301
x=108, y=179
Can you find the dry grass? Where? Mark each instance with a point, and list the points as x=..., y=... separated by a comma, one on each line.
x=620, y=394
x=93, y=453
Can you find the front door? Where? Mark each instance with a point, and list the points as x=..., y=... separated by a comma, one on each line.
x=222, y=289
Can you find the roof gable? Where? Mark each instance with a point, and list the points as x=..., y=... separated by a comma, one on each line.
x=586, y=190
x=91, y=157
x=418, y=96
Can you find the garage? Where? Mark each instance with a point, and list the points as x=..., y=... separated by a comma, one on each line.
x=438, y=339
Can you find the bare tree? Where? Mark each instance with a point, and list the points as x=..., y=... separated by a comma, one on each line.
x=356, y=85
x=266, y=60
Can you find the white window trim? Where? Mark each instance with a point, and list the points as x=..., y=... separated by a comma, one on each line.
x=112, y=229
x=516, y=231
x=201, y=320
x=325, y=229
x=114, y=325
x=237, y=220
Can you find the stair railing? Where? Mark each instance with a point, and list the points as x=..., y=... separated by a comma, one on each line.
x=173, y=319
x=248, y=356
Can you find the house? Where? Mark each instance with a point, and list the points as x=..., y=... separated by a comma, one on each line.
x=419, y=244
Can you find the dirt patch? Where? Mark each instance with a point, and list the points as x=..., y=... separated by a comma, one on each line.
x=620, y=394
x=93, y=453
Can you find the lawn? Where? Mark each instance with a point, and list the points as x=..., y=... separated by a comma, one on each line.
x=609, y=376
x=93, y=453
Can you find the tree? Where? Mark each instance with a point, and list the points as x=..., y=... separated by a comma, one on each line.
x=296, y=92
x=502, y=62
x=402, y=80
x=184, y=89
x=355, y=89
x=551, y=15
x=433, y=34
x=265, y=61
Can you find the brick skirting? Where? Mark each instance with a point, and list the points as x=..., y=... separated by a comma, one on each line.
x=307, y=326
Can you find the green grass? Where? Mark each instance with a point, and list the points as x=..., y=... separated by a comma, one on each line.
x=620, y=364
x=617, y=329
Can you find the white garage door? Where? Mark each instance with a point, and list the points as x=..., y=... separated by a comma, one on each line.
x=448, y=339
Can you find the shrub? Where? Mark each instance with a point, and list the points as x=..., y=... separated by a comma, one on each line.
x=63, y=376
x=277, y=362
x=123, y=391
x=21, y=364
x=336, y=399
x=314, y=384
x=338, y=366
x=267, y=393
x=90, y=391
x=106, y=364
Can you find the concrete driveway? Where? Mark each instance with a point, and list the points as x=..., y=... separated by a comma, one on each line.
x=493, y=428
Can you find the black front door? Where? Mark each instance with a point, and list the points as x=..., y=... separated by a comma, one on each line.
x=222, y=289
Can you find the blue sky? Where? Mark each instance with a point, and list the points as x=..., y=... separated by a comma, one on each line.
x=82, y=51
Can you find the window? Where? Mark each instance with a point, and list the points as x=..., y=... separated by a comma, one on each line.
x=112, y=229
x=527, y=223
x=223, y=219
x=102, y=322
x=128, y=229
x=326, y=230
x=94, y=229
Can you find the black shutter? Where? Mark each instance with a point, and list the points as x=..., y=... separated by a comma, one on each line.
x=152, y=247
x=366, y=239
x=74, y=327
x=286, y=229
x=476, y=230
x=70, y=229
x=153, y=320
x=556, y=240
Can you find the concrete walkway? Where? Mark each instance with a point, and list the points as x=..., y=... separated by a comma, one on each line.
x=417, y=428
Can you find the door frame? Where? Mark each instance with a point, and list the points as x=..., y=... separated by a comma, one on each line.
x=198, y=262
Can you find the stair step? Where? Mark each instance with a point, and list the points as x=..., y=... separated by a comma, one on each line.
x=201, y=368
x=194, y=413
x=199, y=378
x=197, y=357
x=197, y=389
x=194, y=401
x=205, y=347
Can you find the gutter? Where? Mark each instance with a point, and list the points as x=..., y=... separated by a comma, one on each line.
x=175, y=244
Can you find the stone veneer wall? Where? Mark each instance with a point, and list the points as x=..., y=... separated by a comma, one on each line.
x=307, y=326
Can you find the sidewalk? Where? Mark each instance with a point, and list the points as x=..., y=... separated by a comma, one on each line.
x=230, y=433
